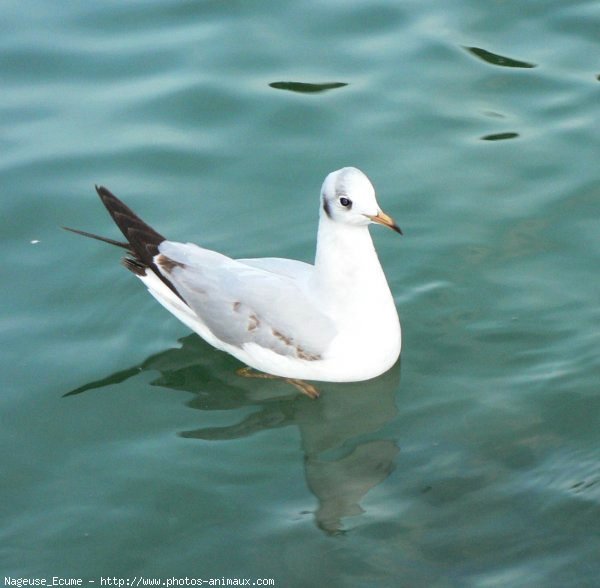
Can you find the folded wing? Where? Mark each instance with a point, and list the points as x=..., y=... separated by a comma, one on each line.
x=242, y=302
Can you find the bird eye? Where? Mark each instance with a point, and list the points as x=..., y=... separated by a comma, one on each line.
x=345, y=201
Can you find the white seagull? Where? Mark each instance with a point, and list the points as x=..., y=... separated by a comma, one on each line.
x=334, y=321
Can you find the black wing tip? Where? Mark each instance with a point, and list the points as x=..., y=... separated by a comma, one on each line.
x=109, y=199
x=121, y=244
x=142, y=240
x=135, y=266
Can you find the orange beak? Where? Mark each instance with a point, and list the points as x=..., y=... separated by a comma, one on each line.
x=386, y=221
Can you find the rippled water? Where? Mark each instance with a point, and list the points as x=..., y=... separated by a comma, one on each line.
x=473, y=463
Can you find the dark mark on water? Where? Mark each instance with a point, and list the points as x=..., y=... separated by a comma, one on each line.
x=495, y=59
x=499, y=136
x=305, y=88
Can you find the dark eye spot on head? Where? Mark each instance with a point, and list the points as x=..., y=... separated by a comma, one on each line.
x=346, y=202
x=326, y=207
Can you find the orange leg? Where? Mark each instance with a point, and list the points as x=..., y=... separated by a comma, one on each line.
x=300, y=385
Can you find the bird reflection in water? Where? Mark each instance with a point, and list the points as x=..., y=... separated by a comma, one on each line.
x=344, y=456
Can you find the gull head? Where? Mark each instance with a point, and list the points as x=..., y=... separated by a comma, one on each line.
x=348, y=197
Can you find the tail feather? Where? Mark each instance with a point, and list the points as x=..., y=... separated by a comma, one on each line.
x=142, y=240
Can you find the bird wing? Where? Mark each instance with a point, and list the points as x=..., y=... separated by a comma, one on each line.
x=249, y=302
x=292, y=268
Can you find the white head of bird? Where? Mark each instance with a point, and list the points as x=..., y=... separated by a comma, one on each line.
x=348, y=198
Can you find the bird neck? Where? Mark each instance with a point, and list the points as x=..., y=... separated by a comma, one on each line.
x=346, y=258
x=351, y=288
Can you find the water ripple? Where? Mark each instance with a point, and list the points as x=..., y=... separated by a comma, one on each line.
x=496, y=59
x=305, y=88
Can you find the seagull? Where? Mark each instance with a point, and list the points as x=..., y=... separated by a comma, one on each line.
x=333, y=321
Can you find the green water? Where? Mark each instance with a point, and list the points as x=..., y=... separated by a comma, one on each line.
x=473, y=462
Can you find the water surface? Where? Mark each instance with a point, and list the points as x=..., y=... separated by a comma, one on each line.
x=473, y=462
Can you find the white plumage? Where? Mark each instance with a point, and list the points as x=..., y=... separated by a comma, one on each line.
x=331, y=321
